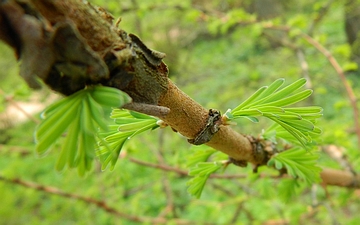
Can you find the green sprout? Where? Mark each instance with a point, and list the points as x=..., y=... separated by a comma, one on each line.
x=295, y=124
x=273, y=103
x=81, y=115
x=127, y=125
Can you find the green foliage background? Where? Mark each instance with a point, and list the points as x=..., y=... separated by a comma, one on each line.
x=219, y=65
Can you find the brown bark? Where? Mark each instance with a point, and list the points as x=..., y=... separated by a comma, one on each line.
x=188, y=117
x=70, y=28
x=78, y=45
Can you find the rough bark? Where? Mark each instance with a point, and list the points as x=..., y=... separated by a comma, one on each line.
x=69, y=44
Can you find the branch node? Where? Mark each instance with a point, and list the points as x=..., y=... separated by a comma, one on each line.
x=262, y=150
x=240, y=163
x=153, y=110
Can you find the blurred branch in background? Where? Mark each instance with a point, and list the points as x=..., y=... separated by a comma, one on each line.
x=320, y=14
x=346, y=84
x=339, y=155
x=11, y=101
x=331, y=177
x=352, y=27
x=166, y=181
x=98, y=203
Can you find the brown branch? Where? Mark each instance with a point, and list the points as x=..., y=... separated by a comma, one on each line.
x=17, y=149
x=321, y=14
x=78, y=45
x=83, y=47
x=242, y=209
x=98, y=203
x=188, y=118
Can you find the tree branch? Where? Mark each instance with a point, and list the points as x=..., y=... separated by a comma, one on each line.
x=78, y=45
x=185, y=172
x=340, y=72
x=83, y=48
x=329, y=176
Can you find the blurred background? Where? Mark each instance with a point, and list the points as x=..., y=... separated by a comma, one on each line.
x=218, y=52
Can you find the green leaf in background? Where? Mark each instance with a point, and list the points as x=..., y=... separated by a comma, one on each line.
x=81, y=114
x=287, y=189
x=272, y=102
x=202, y=153
x=201, y=173
x=298, y=163
x=127, y=124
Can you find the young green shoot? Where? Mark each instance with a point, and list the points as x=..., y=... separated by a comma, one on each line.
x=81, y=115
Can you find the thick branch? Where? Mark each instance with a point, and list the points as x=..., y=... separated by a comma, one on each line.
x=82, y=43
x=188, y=118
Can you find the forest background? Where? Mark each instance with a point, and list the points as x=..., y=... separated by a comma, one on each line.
x=218, y=52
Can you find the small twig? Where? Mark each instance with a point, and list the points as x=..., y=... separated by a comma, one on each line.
x=304, y=67
x=184, y=172
x=16, y=105
x=56, y=191
x=20, y=150
x=314, y=200
x=101, y=204
x=222, y=189
x=305, y=70
x=337, y=153
x=153, y=110
x=314, y=211
x=322, y=12
x=237, y=212
x=331, y=213
x=300, y=56
x=170, y=207
x=138, y=24
x=169, y=198
x=340, y=72
x=241, y=209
